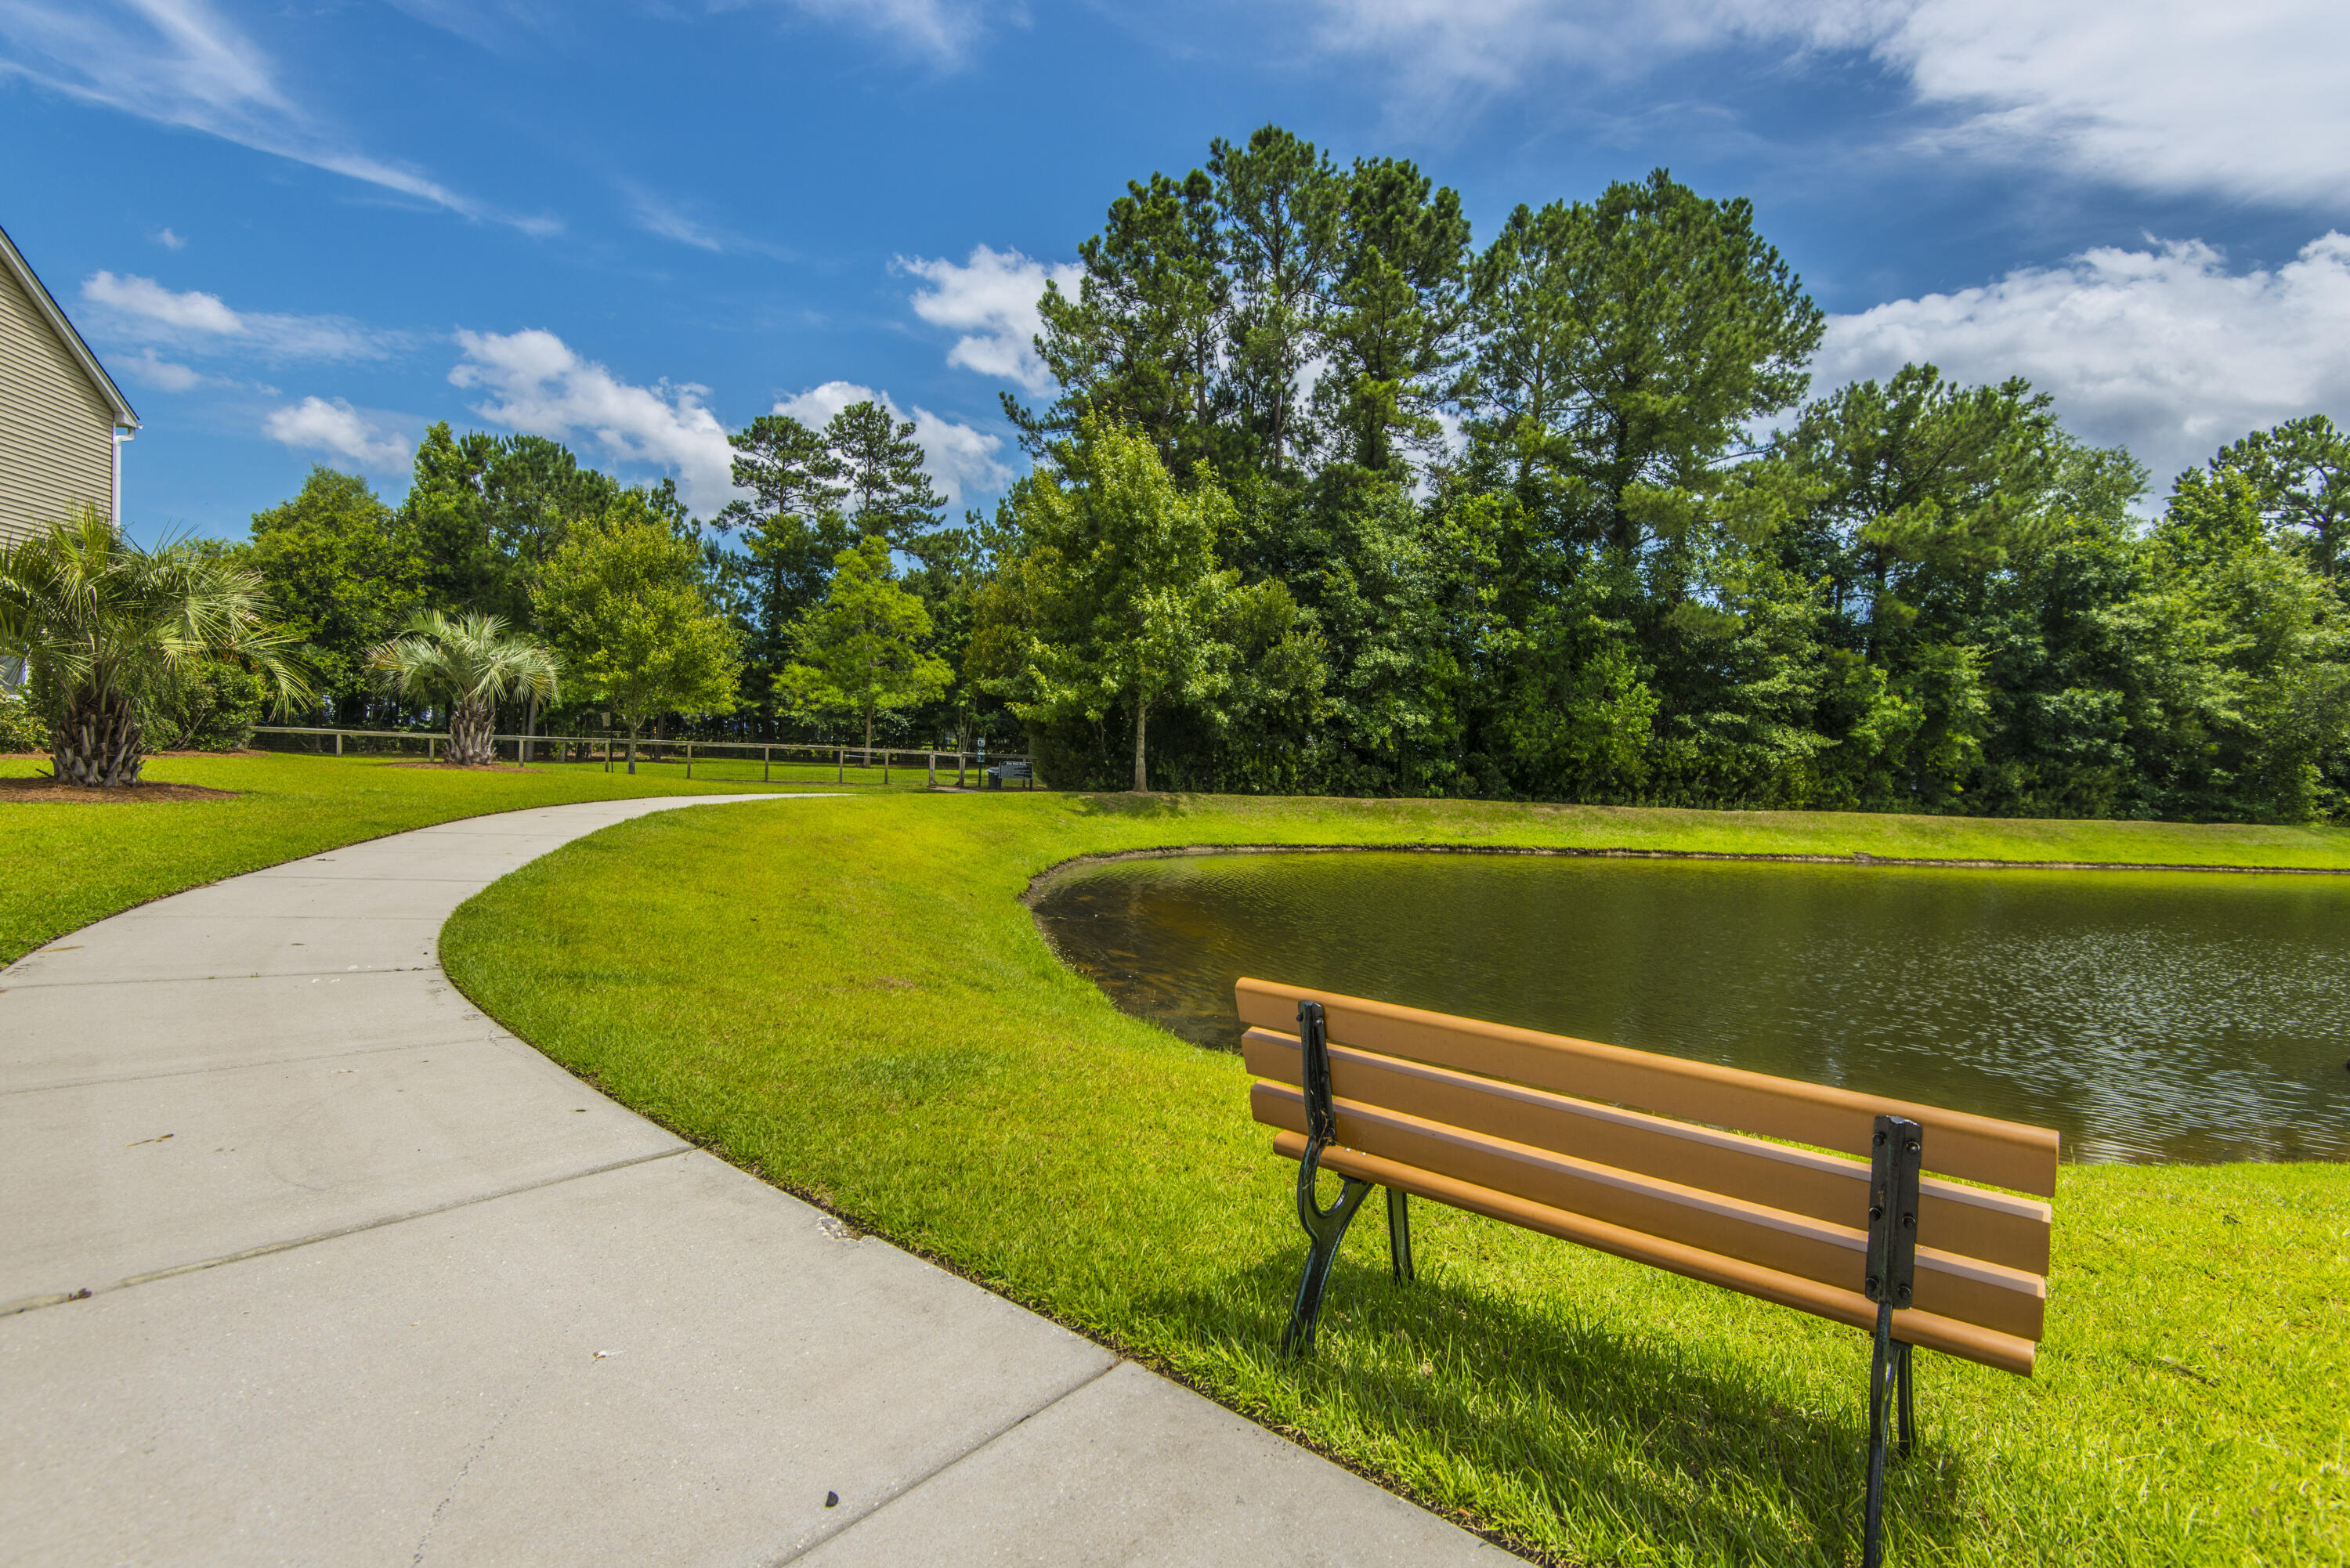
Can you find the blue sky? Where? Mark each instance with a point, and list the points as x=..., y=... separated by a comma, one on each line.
x=301, y=232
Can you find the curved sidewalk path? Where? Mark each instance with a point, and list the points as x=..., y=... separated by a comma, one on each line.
x=304, y=1260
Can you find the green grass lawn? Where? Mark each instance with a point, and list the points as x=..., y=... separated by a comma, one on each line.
x=847, y=997
x=63, y=865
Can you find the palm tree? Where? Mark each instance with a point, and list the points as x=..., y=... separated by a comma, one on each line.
x=470, y=662
x=105, y=627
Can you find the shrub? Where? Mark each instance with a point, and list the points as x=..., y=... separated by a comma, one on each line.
x=215, y=711
x=21, y=729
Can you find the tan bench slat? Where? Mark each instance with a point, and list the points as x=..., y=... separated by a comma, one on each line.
x=1972, y=1222
x=2009, y=1353
x=1971, y=1148
x=2006, y=1299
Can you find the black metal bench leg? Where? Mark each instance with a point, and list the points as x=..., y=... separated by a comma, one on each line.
x=1880, y=1378
x=1325, y=1228
x=1399, y=1235
x=1909, y=1439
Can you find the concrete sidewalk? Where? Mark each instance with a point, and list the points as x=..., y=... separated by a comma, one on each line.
x=306, y=1261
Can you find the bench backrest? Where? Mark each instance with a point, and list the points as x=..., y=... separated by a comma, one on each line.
x=1679, y=1153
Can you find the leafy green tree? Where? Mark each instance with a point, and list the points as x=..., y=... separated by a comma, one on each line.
x=490, y=511
x=1626, y=344
x=883, y=483
x=2300, y=472
x=107, y=629
x=792, y=528
x=1919, y=484
x=1281, y=199
x=861, y=651
x=1141, y=341
x=1118, y=604
x=1393, y=326
x=1260, y=312
x=624, y=601
x=343, y=572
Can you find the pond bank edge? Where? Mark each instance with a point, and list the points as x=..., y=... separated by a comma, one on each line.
x=1038, y=883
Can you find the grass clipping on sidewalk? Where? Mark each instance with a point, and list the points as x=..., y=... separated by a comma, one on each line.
x=848, y=998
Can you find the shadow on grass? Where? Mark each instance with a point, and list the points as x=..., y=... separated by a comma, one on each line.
x=1577, y=1418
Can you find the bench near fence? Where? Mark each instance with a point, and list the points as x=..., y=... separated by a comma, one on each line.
x=1540, y=1131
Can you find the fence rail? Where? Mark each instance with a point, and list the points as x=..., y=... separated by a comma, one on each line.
x=620, y=749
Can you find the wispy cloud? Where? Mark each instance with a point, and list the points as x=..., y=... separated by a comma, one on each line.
x=179, y=62
x=497, y=24
x=657, y=215
x=141, y=310
x=538, y=386
x=2164, y=349
x=941, y=30
x=2171, y=96
x=991, y=298
x=961, y=459
x=169, y=241
x=317, y=424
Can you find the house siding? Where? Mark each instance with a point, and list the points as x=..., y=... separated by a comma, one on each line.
x=57, y=433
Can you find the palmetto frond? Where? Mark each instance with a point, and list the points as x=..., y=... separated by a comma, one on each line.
x=465, y=660
x=105, y=624
x=471, y=663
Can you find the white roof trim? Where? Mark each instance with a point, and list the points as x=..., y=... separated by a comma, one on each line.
x=64, y=328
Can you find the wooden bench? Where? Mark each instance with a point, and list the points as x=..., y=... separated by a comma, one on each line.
x=1655, y=1158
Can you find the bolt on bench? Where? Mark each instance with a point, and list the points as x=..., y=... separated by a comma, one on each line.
x=1540, y=1131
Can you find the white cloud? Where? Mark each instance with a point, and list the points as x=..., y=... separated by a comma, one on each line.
x=991, y=299
x=144, y=300
x=943, y=29
x=169, y=241
x=2163, y=349
x=163, y=373
x=178, y=62
x=2165, y=95
x=539, y=387
x=318, y=425
x=144, y=311
x=963, y=460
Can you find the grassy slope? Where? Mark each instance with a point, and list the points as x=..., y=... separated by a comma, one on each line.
x=64, y=865
x=846, y=997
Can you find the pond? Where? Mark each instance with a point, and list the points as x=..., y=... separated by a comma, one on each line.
x=2149, y=1016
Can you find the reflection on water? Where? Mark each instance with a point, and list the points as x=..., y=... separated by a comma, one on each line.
x=2150, y=1016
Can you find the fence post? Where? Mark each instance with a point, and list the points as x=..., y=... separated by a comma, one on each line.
x=885, y=765
x=958, y=770
x=934, y=770
x=766, y=764
x=338, y=742
x=689, y=759
x=840, y=766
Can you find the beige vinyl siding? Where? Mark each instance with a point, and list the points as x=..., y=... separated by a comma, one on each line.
x=57, y=433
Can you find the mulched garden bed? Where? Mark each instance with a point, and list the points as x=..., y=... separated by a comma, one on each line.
x=45, y=788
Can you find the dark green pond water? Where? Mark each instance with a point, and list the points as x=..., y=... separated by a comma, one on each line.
x=2149, y=1016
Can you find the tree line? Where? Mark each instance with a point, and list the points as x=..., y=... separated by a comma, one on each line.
x=1332, y=500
